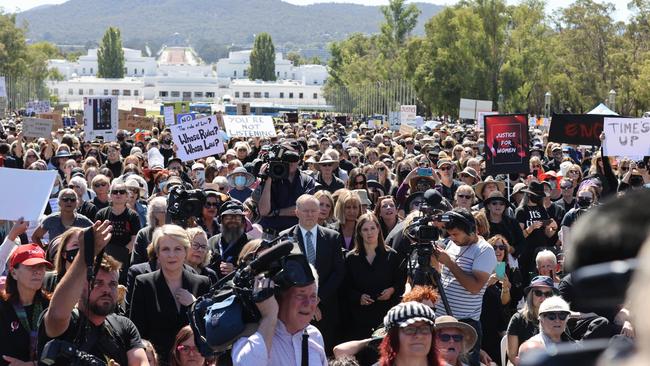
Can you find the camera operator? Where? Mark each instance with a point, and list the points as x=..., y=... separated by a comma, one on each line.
x=467, y=260
x=93, y=326
x=277, y=202
x=284, y=332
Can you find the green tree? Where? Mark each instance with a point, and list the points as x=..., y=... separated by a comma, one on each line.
x=295, y=58
x=399, y=22
x=110, y=56
x=12, y=46
x=262, y=59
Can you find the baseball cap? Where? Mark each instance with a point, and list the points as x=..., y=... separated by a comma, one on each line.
x=28, y=255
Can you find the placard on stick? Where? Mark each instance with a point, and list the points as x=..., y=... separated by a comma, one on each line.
x=198, y=138
x=100, y=118
x=37, y=127
x=249, y=126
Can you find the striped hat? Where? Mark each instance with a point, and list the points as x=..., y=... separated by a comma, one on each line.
x=407, y=313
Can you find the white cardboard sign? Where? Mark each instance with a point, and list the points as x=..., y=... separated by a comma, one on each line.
x=3, y=88
x=24, y=193
x=37, y=127
x=100, y=118
x=628, y=137
x=198, y=138
x=169, y=115
x=249, y=126
x=408, y=114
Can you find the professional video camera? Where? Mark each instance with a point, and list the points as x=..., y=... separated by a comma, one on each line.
x=62, y=351
x=183, y=204
x=228, y=311
x=278, y=159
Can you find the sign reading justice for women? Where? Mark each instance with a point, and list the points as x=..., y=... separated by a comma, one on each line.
x=198, y=138
x=506, y=144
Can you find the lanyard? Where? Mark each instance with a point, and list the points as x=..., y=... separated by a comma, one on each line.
x=22, y=317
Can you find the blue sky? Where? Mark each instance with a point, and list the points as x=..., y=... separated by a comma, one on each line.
x=621, y=5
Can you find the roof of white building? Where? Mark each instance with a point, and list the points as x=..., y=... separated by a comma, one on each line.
x=179, y=56
x=94, y=79
x=247, y=82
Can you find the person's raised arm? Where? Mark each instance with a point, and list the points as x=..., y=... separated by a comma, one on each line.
x=67, y=293
x=264, y=205
x=9, y=243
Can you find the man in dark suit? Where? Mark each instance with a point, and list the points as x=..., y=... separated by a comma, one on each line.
x=227, y=245
x=322, y=247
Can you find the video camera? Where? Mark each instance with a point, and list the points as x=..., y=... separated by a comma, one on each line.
x=228, y=311
x=183, y=204
x=62, y=351
x=278, y=159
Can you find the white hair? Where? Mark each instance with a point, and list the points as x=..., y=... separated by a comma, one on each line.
x=545, y=254
x=81, y=182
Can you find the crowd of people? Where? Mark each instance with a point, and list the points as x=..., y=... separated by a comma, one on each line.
x=496, y=282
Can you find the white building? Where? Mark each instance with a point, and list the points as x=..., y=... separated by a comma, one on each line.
x=179, y=74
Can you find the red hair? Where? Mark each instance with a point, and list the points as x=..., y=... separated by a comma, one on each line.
x=389, y=348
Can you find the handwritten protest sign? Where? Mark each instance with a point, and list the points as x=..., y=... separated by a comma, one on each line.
x=54, y=116
x=249, y=126
x=627, y=136
x=506, y=144
x=408, y=114
x=37, y=127
x=138, y=111
x=100, y=117
x=24, y=193
x=132, y=123
x=198, y=138
x=169, y=115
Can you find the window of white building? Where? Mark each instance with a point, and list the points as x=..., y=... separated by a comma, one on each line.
x=105, y=91
x=91, y=92
x=136, y=93
x=234, y=73
x=209, y=94
x=115, y=92
x=266, y=94
x=290, y=95
x=281, y=95
x=187, y=95
x=300, y=95
x=135, y=71
x=83, y=71
x=163, y=94
x=236, y=94
x=257, y=95
x=175, y=94
x=81, y=92
x=246, y=94
x=315, y=95
x=126, y=92
x=126, y=71
x=198, y=94
x=92, y=71
x=70, y=92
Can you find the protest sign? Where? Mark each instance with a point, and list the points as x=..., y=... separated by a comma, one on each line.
x=249, y=126
x=628, y=137
x=408, y=114
x=37, y=127
x=480, y=122
x=394, y=121
x=185, y=117
x=406, y=129
x=3, y=87
x=24, y=193
x=56, y=117
x=469, y=108
x=506, y=144
x=132, y=123
x=576, y=129
x=138, y=111
x=38, y=106
x=169, y=115
x=100, y=118
x=198, y=138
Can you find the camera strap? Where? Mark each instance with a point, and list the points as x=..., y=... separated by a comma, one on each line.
x=305, y=348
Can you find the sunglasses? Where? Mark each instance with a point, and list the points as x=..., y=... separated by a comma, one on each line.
x=624, y=168
x=381, y=169
x=423, y=329
x=97, y=185
x=187, y=349
x=119, y=191
x=540, y=293
x=70, y=254
x=360, y=183
x=68, y=199
x=558, y=315
x=467, y=197
x=326, y=164
x=501, y=247
x=448, y=337
x=445, y=168
x=497, y=203
x=211, y=205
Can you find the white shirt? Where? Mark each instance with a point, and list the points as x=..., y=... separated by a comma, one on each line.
x=286, y=349
x=314, y=234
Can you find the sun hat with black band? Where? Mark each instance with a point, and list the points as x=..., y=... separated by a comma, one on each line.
x=407, y=313
x=469, y=333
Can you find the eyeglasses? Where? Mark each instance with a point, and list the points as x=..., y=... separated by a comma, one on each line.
x=199, y=246
x=68, y=199
x=423, y=329
x=540, y=293
x=118, y=191
x=467, y=197
x=409, y=142
x=211, y=205
x=359, y=183
x=554, y=316
x=448, y=337
x=73, y=186
x=497, y=203
x=187, y=349
x=501, y=247
x=445, y=168
x=102, y=184
x=326, y=164
x=70, y=254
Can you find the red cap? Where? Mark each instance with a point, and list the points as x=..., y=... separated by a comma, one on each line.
x=29, y=255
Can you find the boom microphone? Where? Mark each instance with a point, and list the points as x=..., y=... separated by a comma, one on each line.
x=275, y=253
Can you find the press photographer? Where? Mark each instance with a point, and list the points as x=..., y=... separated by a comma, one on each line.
x=92, y=328
x=283, y=184
x=467, y=262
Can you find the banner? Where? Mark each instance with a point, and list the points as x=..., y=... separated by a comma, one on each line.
x=38, y=106
x=628, y=137
x=133, y=122
x=506, y=144
x=576, y=129
x=249, y=126
x=24, y=193
x=37, y=127
x=169, y=115
x=100, y=118
x=138, y=111
x=198, y=138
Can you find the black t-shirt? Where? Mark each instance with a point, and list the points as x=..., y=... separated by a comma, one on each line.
x=99, y=204
x=111, y=340
x=88, y=209
x=125, y=225
x=521, y=328
x=15, y=338
x=572, y=216
x=527, y=215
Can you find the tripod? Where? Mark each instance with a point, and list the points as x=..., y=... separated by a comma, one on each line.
x=425, y=275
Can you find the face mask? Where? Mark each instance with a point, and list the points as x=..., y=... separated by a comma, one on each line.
x=161, y=186
x=55, y=190
x=537, y=200
x=240, y=181
x=584, y=202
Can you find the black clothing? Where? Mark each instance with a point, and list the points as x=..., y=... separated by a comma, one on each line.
x=449, y=192
x=284, y=193
x=336, y=184
x=15, y=337
x=493, y=321
x=125, y=149
x=50, y=281
x=215, y=227
x=536, y=239
x=510, y=229
x=167, y=153
x=142, y=241
x=125, y=225
x=99, y=204
x=227, y=252
x=571, y=216
x=521, y=328
x=88, y=209
x=153, y=308
x=564, y=205
x=362, y=277
x=115, y=168
x=112, y=339
x=346, y=165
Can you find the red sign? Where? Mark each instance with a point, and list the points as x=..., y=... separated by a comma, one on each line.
x=506, y=144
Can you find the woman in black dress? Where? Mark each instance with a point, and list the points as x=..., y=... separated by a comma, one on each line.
x=373, y=278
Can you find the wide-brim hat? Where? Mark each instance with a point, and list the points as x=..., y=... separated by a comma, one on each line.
x=376, y=185
x=409, y=201
x=470, y=172
x=535, y=189
x=478, y=188
x=363, y=196
x=469, y=334
x=250, y=178
x=326, y=159
x=62, y=154
x=413, y=181
x=497, y=196
x=518, y=188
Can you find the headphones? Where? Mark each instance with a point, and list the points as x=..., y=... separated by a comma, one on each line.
x=471, y=225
